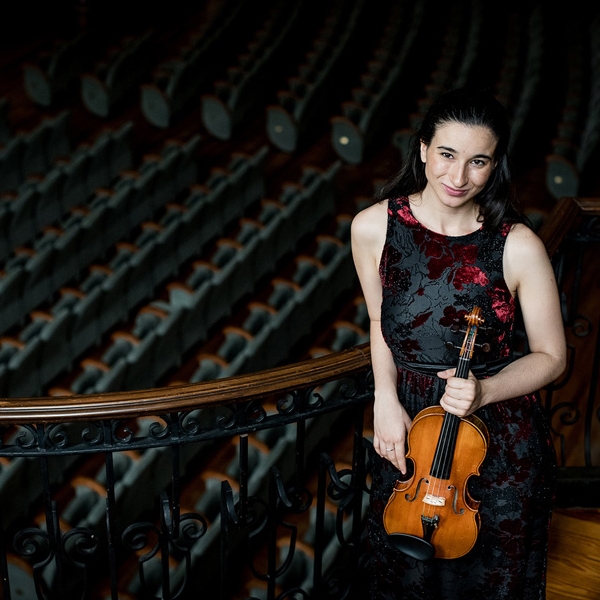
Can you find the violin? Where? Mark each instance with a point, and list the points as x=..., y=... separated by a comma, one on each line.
x=431, y=513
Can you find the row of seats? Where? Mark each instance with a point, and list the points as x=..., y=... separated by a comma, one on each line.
x=55, y=67
x=457, y=57
x=287, y=316
x=247, y=80
x=164, y=331
x=111, y=291
x=530, y=81
x=301, y=102
x=42, y=201
x=117, y=74
x=176, y=82
x=354, y=131
x=577, y=135
x=33, y=275
x=31, y=153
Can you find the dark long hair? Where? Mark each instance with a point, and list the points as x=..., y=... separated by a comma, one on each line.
x=497, y=201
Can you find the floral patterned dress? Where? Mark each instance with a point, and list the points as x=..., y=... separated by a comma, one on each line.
x=430, y=281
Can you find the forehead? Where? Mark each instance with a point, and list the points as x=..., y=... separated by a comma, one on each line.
x=467, y=139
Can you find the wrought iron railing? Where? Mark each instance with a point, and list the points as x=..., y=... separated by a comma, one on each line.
x=572, y=237
x=253, y=486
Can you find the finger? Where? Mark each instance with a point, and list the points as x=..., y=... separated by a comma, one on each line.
x=447, y=373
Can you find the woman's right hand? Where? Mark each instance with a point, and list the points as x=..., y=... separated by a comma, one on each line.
x=390, y=429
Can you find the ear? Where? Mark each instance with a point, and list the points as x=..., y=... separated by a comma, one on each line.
x=423, y=147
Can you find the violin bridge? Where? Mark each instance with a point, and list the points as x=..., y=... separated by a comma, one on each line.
x=434, y=500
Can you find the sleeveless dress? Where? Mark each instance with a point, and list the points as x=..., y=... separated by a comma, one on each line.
x=430, y=281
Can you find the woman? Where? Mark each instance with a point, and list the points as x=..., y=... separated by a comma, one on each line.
x=447, y=236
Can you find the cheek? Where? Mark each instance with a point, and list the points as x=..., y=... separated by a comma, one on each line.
x=480, y=178
x=435, y=168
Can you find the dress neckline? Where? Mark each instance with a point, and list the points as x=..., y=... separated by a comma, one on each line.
x=404, y=201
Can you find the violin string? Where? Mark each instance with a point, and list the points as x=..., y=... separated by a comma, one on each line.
x=442, y=455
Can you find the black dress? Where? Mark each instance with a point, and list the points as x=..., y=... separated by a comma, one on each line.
x=430, y=281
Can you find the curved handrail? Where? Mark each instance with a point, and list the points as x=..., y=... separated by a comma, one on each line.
x=183, y=397
x=564, y=218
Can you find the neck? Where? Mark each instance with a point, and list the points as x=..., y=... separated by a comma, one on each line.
x=447, y=220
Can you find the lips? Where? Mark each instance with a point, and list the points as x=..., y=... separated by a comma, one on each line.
x=454, y=192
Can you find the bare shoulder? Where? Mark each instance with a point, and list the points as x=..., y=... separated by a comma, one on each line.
x=370, y=224
x=523, y=242
x=525, y=259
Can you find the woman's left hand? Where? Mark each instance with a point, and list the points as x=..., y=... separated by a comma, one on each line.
x=461, y=397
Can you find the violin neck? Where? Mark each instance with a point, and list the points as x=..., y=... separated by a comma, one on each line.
x=444, y=453
x=462, y=369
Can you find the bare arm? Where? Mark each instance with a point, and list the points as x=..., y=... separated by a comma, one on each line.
x=390, y=420
x=530, y=276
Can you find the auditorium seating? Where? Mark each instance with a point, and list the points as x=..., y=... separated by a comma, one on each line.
x=84, y=304
x=37, y=265
x=316, y=283
x=577, y=138
x=66, y=183
x=117, y=74
x=531, y=80
x=248, y=80
x=10, y=163
x=449, y=68
x=111, y=291
x=177, y=81
x=226, y=194
x=307, y=92
x=354, y=132
x=55, y=68
x=37, y=276
x=215, y=286
x=33, y=152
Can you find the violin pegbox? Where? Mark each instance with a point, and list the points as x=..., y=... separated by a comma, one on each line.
x=469, y=320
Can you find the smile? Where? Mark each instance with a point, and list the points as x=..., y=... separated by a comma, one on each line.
x=454, y=192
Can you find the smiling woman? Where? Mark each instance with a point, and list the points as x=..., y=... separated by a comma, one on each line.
x=456, y=174
x=447, y=236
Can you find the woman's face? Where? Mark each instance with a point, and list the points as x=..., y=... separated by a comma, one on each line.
x=458, y=162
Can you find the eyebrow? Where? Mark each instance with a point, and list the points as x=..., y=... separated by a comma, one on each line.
x=453, y=151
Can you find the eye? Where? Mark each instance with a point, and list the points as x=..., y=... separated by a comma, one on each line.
x=479, y=163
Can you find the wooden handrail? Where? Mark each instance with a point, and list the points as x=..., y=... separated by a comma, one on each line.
x=169, y=399
x=565, y=218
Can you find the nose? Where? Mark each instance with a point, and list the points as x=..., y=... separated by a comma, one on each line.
x=458, y=174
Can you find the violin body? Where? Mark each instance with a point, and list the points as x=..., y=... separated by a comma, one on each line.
x=439, y=509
